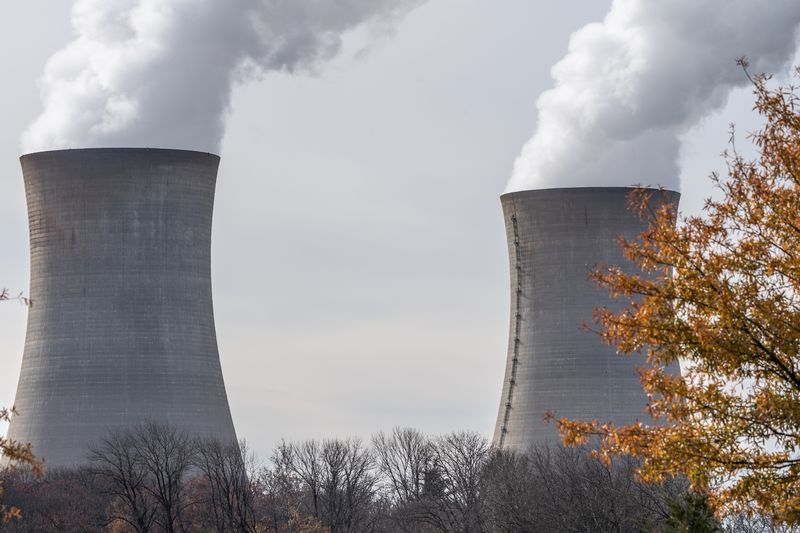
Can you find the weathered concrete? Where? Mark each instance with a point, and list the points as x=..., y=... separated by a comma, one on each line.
x=122, y=327
x=555, y=238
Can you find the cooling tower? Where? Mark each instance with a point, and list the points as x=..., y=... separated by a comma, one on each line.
x=555, y=239
x=121, y=329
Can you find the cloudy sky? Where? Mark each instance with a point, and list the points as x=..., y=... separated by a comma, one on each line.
x=359, y=262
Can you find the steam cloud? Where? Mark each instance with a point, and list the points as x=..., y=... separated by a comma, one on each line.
x=630, y=85
x=159, y=73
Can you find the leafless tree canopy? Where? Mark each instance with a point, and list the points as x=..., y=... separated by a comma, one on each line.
x=155, y=478
x=117, y=462
x=338, y=478
x=227, y=487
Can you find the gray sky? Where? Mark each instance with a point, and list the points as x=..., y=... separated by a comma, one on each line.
x=359, y=263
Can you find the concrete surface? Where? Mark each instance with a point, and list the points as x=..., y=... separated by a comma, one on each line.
x=555, y=238
x=121, y=329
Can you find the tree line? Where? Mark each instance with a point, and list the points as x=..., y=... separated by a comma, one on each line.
x=157, y=478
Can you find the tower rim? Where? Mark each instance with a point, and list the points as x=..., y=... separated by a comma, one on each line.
x=116, y=149
x=588, y=188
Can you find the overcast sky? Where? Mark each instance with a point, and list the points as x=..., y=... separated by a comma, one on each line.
x=358, y=257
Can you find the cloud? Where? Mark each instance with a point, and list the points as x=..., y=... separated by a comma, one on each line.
x=159, y=73
x=630, y=85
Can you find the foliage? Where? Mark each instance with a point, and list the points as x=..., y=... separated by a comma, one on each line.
x=691, y=514
x=19, y=454
x=721, y=293
x=10, y=451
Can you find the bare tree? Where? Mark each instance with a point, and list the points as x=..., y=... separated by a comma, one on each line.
x=166, y=454
x=153, y=478
x=119, y=465
x=338, y=479
x=5, y=295
x=61, y=500
x=301, y=465
x=404, y=459
x=452, y=487
x=558, y=489
x=511, y=493
x=146, y=467
x=281, y=492
x=349, y=485
x=228, y=480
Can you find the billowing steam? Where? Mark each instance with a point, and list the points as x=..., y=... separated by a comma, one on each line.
x=631, y=85
x=159, y=73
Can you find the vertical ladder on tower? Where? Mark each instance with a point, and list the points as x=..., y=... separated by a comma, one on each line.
x=512, y=381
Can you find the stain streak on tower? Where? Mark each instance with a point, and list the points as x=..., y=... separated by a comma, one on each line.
x=555, y=238
x=122, y=327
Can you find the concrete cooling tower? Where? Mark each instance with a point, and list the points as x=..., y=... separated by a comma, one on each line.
x=121, y=329
x=555, y=238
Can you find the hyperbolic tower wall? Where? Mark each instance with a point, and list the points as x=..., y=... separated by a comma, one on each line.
x=121, y=329
x=555, y=238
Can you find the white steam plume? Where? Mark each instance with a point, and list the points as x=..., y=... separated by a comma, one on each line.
x=159, y=73
x=630, y=85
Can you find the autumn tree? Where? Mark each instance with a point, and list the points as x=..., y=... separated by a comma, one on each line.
x=721, y=293
x=12, y=452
